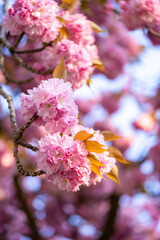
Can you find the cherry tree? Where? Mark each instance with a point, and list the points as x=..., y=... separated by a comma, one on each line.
x=61, y=152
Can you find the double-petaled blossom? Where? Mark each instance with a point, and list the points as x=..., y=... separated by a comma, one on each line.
x=78, y=60
x=140, y=13
x=64, y=161
x=71, y=161
x=53, y=102
x=78, y=28
x=38, y=19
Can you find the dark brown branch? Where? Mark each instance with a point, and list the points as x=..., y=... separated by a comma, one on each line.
x=16, y=134
x=22, y=63
x=11, y=80
x=109, y=227
x=25, y=126
x=20, y=167
x=11, y=109
x=33, y=50
x=29, y=68
x=27, y=145
x=17, y=42
x=26, y=209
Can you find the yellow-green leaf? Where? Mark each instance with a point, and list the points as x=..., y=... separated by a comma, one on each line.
x=83, y=135
x=109, y=136
x=94, y=160
x=95, y=27
x=96, y=170
x=94, y=146
x=60, y=71
x=113, y=174
x=114, y=152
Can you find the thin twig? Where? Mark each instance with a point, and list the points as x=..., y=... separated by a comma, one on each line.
x=26, y=209
x=29, y=68
x=25, y=126
x=27, y=145
x=33, y=50
x=11, y=108
x=20, y=168
x=17, y=42
x=22, y=63
x=9, y=79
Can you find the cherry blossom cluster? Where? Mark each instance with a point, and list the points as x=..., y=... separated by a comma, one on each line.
x=71, y=36
x=78, y=60
x=77, y=46
x=67, y=160
x=140, y=13
x=53, y=102
x=36, y=18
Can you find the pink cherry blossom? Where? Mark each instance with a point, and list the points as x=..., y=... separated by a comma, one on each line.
x=78, y=61
x=64, y=161
x=78, y=28
x=36, y=18
x=52, y=101
x=140, y=13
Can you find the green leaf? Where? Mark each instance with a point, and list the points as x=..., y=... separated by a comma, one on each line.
x=94, y=146
x=109, y=136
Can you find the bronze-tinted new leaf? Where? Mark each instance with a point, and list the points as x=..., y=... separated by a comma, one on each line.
x=109, y=136
x=83, y=135
x=60, y=71
x=94, y=160
x=113, y=174
x=96, y=170
x=94, y=146
x=114, y=152
x=98, y=64
x=95, y=27
x=67, y=1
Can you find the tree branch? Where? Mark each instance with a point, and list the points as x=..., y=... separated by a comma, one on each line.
x=17, y=42
x=25, y=126
x=26, y=209
x=111, y=216
x=29, y=68
x=11, y=109
x=33, y=50
x=22, y=63
x=20, y=168
x=27, y=145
